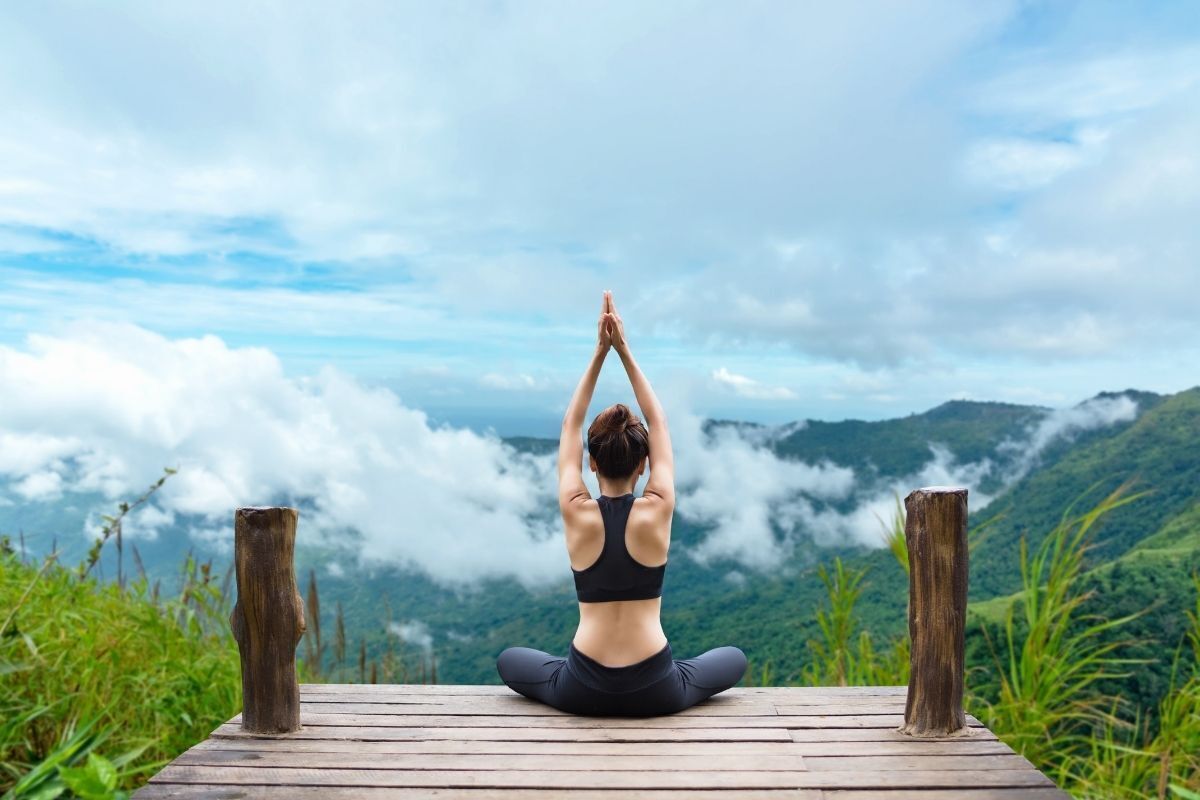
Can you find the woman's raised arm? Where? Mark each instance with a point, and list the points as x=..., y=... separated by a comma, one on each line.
x=661, y=483
x=571, y=488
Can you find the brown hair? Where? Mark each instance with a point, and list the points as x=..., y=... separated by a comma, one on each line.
x=618, y=441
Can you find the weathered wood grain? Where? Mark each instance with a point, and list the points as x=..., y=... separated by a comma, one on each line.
x=570, y=721
x=195, y=792
x=526, y=708
x=268, y=619
x=881, y=735
x=598, y=763
x=609, y=733
x=164, y=791
x=416, y=689
x=936, y=534
x=511, y=748
x=908, y=761
x=730, y=697
x=1028, y=793
x=488, y=761
x=900, y=747
x=617, y=779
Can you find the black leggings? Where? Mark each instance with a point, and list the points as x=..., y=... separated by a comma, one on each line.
x=656, y=685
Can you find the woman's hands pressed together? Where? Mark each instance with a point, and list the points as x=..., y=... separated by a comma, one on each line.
x=612, y=329
x=604, y=338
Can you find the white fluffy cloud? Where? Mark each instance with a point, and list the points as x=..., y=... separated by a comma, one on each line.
x=744, y=386
x=741, y=490
x=415, y=632
x=953, y=187
x=1060, y=423
x=105, y=407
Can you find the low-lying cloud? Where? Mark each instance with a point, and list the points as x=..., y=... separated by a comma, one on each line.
x=106, y=407
x=414, y=632
x=1095, y=412
x=103, y=408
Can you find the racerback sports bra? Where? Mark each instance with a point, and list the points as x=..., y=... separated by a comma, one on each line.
x=615, y=575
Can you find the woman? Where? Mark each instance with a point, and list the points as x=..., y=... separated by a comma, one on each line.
x=619, y=662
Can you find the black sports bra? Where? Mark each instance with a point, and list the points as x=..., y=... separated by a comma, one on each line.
x=615, y=575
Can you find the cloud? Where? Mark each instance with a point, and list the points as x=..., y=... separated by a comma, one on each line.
x=43, y=485
x=404, y=153
x=414, y=632
x=104, y=409
x=1064, y=423
x=750, y=388
x=743, y=493
x=509, y=382
x=1032, y=203
x=758, y=508
x=876, y=505
x=1021, y=164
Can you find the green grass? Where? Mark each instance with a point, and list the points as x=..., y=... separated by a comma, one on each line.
x=1040, y=683
x=103, y=683
x=100, y=685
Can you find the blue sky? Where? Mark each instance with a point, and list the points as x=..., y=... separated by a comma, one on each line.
x=825, y=212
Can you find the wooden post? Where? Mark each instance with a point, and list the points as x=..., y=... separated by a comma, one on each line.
x=268, y=619
x=936, y=533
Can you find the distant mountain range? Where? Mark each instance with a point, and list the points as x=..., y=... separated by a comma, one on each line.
x=1024, y=464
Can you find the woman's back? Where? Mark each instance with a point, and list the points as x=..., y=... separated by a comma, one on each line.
x=619, y=661
x=618, y=552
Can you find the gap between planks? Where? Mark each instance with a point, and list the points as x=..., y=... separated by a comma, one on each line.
x=611, y=733
x=905, y=746
x=167, y=791
x=500, y=688
x=570, y=721
x=620, y=779
x=599, y=763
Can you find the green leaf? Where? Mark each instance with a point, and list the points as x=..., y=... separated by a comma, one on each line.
x=96, y=781
x=46, y=792
x=84, y=782
x=103, y=768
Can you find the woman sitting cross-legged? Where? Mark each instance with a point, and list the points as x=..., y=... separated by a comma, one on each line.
x=619, y=662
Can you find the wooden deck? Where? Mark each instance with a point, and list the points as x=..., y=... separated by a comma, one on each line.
x=405, y=741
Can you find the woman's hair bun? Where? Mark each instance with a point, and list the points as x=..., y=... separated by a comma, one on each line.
x=618, y=441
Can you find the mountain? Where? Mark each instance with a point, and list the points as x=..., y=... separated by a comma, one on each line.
x=1025, y=464
x=1157, y=451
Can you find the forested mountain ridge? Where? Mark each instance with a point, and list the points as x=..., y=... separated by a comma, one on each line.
x=1158, y=452
x=1030, y=461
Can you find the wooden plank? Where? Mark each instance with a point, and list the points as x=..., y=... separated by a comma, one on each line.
x=724, y=698
x=651, y=761
x=575, y=721
x=479, y=762
x=878, y=735
x=610, y=733
x=788, y=710
x=198, y=792
x=813, y=743
x=600, y=734
x=908, y=746
x=168, y=791
x=526, y=707
x=618, y=779
x=1028, y=793
x=532, y=708
x=917, y=761
x=411, y=689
